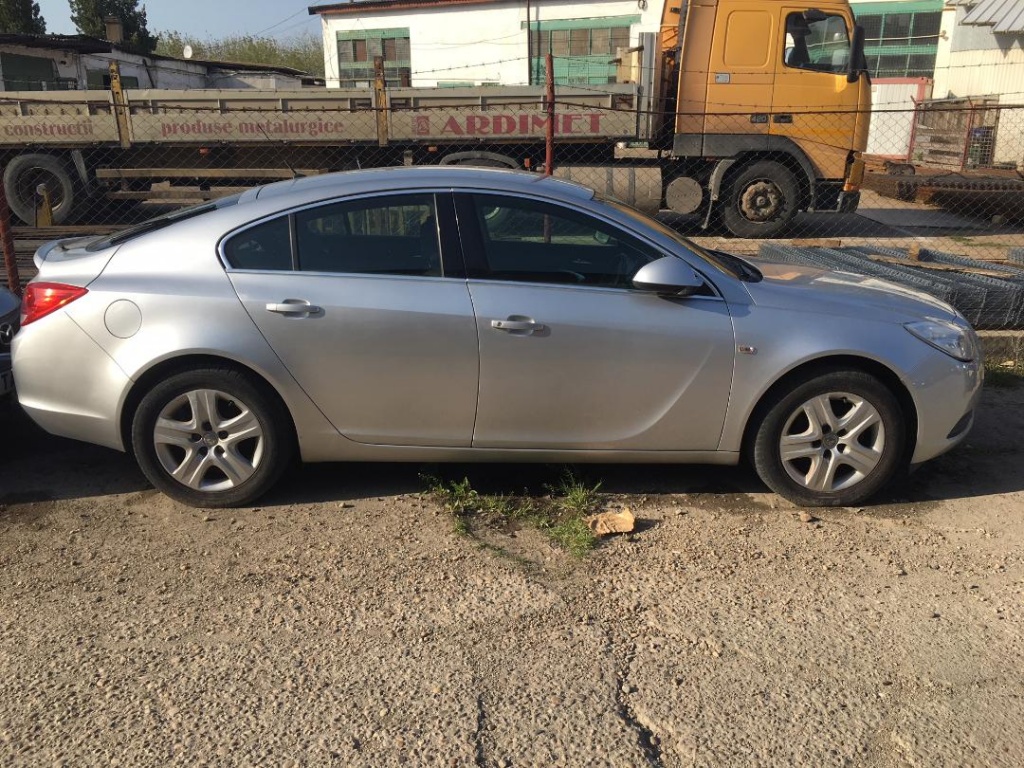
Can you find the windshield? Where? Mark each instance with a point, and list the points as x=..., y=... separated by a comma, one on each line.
x=159, y=222
x=738, y=268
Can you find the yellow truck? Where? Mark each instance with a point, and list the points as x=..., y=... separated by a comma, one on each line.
x=745, y=112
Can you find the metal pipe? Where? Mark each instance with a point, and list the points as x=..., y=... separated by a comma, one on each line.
x=549, y=77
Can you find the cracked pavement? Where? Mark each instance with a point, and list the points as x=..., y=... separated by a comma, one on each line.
x=343, y=622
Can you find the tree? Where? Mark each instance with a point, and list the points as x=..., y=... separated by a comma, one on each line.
x=88, y=16
x=302, y=52
x=21, y=17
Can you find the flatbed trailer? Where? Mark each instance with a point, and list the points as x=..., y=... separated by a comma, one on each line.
x=744, y=112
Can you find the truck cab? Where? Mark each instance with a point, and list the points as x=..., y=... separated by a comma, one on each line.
x=770, y=108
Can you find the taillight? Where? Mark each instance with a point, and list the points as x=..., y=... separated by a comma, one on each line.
x=41, y=299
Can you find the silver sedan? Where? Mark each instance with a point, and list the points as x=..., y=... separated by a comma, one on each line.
x=454, y=314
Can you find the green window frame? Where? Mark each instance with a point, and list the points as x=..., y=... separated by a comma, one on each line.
x=357, y=50
x=901, y=38
x=582, y=48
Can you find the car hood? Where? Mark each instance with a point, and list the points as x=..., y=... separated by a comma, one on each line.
x=808, y=289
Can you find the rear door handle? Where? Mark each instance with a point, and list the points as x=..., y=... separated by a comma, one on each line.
x=514, y=324
x=297, y=307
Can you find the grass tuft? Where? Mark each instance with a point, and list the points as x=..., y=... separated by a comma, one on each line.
x=573, y=495
x=573, y=536
x=559, y=516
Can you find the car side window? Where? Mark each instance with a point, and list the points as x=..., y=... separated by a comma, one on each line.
x=267, y=246
x=531, y=241
x=393, y=235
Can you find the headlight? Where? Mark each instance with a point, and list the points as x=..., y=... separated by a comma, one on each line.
x=956, y=341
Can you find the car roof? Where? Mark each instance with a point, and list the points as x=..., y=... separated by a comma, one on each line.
x=412, y=178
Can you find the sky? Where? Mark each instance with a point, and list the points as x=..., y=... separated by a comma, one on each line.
x=207, y=18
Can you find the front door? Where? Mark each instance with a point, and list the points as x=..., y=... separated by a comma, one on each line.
x=353, y=298
x=813, y=104
x=571, y=357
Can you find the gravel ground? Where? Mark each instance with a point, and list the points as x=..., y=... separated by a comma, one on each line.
x=344, y=622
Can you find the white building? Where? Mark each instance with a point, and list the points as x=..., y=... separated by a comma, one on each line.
x=77, y=62
x=480, y=42
x=982, y=54
x=980, y=62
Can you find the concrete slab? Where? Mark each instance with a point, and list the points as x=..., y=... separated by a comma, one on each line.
x=902, y=218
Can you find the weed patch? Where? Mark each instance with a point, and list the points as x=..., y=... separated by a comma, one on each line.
x=559, y=515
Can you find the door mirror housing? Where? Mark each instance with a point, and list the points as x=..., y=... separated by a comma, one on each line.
x=857, y=63
x=668, y=276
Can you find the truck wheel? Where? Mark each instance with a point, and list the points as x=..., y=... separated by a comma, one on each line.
x=761, y=201
x=25, y=173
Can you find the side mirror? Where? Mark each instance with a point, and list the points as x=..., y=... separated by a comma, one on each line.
x=668, y=276
x=857, y=62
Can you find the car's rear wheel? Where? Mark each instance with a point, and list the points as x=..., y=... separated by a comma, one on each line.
x=211, y=438
x=833, y=440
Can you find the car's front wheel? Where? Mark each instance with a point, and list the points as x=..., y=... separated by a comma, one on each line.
x=211, y=438
x=833, y=440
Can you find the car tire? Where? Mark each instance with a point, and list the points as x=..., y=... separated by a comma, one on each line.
x=212, y=437
x=761, y=200
x=25, y=172
x=834, y=439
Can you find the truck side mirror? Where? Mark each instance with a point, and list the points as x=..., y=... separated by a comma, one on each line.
x=857, y=62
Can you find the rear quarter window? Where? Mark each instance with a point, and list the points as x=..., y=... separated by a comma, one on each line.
x=266, y=247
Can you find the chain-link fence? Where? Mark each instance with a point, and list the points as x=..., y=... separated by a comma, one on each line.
x=937, y=204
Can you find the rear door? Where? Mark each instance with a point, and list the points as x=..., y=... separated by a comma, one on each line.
x=357, y=301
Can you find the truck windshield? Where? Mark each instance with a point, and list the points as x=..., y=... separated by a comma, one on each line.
x=817, y=41
x=160, y=222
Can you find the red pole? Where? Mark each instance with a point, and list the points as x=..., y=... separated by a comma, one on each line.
x=7, y=242
x=549, y=76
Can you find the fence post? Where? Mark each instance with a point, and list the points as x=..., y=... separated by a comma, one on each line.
x=44, y=207
x=549, y=81
x=380, y=100
x=7, y=241
x=120, y=105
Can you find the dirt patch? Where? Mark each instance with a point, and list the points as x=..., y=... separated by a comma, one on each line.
x=345, y=621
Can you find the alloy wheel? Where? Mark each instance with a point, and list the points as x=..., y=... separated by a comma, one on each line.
x=832, y=441
x=208, y=440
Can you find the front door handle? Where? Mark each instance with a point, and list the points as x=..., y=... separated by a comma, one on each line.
x=517, y=324
x=294, y=307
